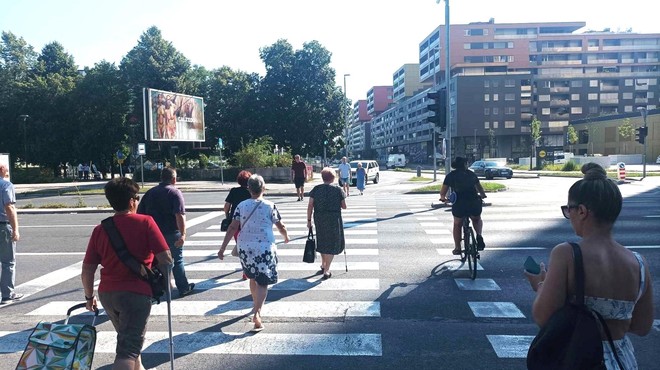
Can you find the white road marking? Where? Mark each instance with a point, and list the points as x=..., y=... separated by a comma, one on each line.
x=282, y=266
x=244, y=343
x=510, y=346
x=477, y=284
x=48, y=280
x=201, y=219
x=310, y=309
x=438, y=232
x=495, y=309
x=335, y=283
x=280, y=252
x=426, y=218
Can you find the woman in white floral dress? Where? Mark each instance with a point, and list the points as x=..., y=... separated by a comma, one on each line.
x=256, y=243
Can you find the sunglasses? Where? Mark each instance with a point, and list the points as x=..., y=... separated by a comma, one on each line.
x=566, y=210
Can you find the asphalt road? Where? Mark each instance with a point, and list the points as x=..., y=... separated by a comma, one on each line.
x=404, y=302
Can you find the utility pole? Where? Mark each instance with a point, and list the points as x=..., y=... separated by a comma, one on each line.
x=346, y=114
x=644, y=114
x=25, y=117
x=448, y=102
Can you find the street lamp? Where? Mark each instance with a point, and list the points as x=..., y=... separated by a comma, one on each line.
x=447, y=77
x=346, y=114
x=644, y=114
x=24, y=117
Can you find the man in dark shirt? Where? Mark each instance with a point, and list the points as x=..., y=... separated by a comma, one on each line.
x=299, y=175
x=165, y=204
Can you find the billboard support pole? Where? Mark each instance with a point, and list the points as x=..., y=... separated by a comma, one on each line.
x=142, y=168
x=222, y=175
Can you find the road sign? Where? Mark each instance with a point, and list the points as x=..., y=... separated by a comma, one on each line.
x=120, y=154
x=120, y=160
x=142, y=150
x=622, y=170
x=542, y=153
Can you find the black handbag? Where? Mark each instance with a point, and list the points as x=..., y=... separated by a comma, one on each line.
x=310, y=248
x=153, y=276
x=224, y=225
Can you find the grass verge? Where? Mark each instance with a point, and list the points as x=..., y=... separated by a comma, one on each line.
x=489, y=187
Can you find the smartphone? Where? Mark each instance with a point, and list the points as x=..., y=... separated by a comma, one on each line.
x=531, y=266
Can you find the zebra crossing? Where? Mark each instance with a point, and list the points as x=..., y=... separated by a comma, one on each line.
x=215, y=279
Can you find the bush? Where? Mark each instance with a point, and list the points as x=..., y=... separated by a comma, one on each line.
x=570, y=166
x=259, y=153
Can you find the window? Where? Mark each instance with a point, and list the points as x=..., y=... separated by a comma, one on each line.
x=627, y=95
x=486, y=111
x=510, y=110
x=592, y=96
x=486, y=125
x=509, y=83
x=593, y=83
x=628, y=108
x=629, y=82
x=593, y=110
x=496, y=83
x=509, y=97
x=509, y=124
x=486, y=97
x=575, y=97
x=545, y=111
x=576, y=110
x=486, y=83
x=496, y=97
x=496, y=111
x=576, y=83
x=496, y=124
x=544, y=97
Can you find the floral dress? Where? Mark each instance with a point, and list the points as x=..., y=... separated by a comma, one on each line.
x=256, y=241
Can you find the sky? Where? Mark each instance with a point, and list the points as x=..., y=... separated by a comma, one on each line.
x=368, y=39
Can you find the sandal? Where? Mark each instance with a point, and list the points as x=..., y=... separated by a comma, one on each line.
x=327, y=276
x=456, y=252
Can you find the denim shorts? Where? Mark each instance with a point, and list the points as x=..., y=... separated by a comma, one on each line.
x=129, y=313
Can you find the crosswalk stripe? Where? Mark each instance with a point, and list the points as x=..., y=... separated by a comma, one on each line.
x=289, y=225
x=300, y=241
x=336, y=283
x=282, y=266
x=245, y=343
x=510, y=346
x=477, y=284
x=46, y=281
x=437, y=232
x=282, y=252
x=496, y=310
x=218, y=234
x=308, y=309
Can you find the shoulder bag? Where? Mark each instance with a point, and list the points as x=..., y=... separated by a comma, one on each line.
x=571, y=338
x=153, y=275
x=310, y=247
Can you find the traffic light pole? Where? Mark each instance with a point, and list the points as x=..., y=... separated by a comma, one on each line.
x=644, y=113
x=447, y=102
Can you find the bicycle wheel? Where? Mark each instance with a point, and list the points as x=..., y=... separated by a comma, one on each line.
x=472, y=254
x=467, y=250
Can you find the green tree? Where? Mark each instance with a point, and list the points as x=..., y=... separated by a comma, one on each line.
x=535, y=136
x=626, y=132
x=572, y=136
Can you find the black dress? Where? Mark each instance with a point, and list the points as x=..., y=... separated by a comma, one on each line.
x=327, y=218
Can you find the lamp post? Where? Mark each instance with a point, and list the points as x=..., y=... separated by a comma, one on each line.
x=447, y=77
x=433, y=134
x=24, y=117
x=346, y=114
x=644, y=114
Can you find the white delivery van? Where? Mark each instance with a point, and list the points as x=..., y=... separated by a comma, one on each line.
x=396, y=160
x=561, y=157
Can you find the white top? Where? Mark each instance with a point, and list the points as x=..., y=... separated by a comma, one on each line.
x=344, y=170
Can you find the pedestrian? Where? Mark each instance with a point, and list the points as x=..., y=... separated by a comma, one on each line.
x=80, y=171
x=345, y=175
x=360, y=178
x=235, y=197
x=164, y=202
x=85, y=169
x=126, y=297
x=325, y=203
x=617, y=280
x=8, y=237
x=299, y=175
x=256, y=243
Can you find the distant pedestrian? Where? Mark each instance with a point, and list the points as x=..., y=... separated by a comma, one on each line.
x=80, y=171
x=235, y=197
x=8, y=237
x=256, y=243
x=299, y=175
x=345, y=175
x=325, y=203
x=165, y=204
x=360, y=178
x=85, y=168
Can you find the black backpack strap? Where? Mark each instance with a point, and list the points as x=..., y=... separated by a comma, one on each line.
x=579, y=297
x=119, y=246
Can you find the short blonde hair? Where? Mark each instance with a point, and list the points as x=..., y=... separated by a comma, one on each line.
x=328, y=174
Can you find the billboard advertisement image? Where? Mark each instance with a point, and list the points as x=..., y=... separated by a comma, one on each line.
x=174, y=117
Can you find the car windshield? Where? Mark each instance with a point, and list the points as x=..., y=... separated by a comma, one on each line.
x=354, y=164
x=491, y=164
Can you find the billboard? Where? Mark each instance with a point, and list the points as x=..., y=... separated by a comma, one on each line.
x=4, y=159
x=174, y=117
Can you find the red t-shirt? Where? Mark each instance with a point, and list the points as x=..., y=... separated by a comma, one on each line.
x=143, y=240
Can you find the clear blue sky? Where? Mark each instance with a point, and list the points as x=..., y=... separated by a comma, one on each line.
x=369, y=39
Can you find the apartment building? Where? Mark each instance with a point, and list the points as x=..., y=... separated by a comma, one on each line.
x=359, y=130
x=504, y=75
x=406, y=82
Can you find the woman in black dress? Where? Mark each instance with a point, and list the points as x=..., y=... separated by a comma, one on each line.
x=235, y=196
x=326, y=202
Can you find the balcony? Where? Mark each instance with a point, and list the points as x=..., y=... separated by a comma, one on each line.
x=560, y=103
x=559, y=49
x=526, y=116
x=609, y=101
x=641, y=100
x=609, y=88
x=560, y=89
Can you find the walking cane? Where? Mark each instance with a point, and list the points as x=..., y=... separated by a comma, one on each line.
x=345, y=261
x=168, y=293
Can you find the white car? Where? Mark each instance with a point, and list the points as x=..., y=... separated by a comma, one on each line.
x=372, y=168
x=657, y=160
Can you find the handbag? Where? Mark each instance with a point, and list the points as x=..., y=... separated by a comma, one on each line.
x=224, y=225
x=310, y=247
x=571, y=338
x=234, y=251
x=153, y=275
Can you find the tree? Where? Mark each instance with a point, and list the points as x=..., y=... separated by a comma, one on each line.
x=535, y=135
x=572, y=136
x=626, y=132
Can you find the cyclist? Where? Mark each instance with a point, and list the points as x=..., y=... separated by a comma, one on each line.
x=469, y=193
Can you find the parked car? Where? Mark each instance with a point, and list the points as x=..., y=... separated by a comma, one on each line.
x=372, y=168
x=396, y=160
x=490, y=169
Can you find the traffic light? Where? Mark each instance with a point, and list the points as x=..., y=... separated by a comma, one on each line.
x=640, y=134
x=438, y=109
